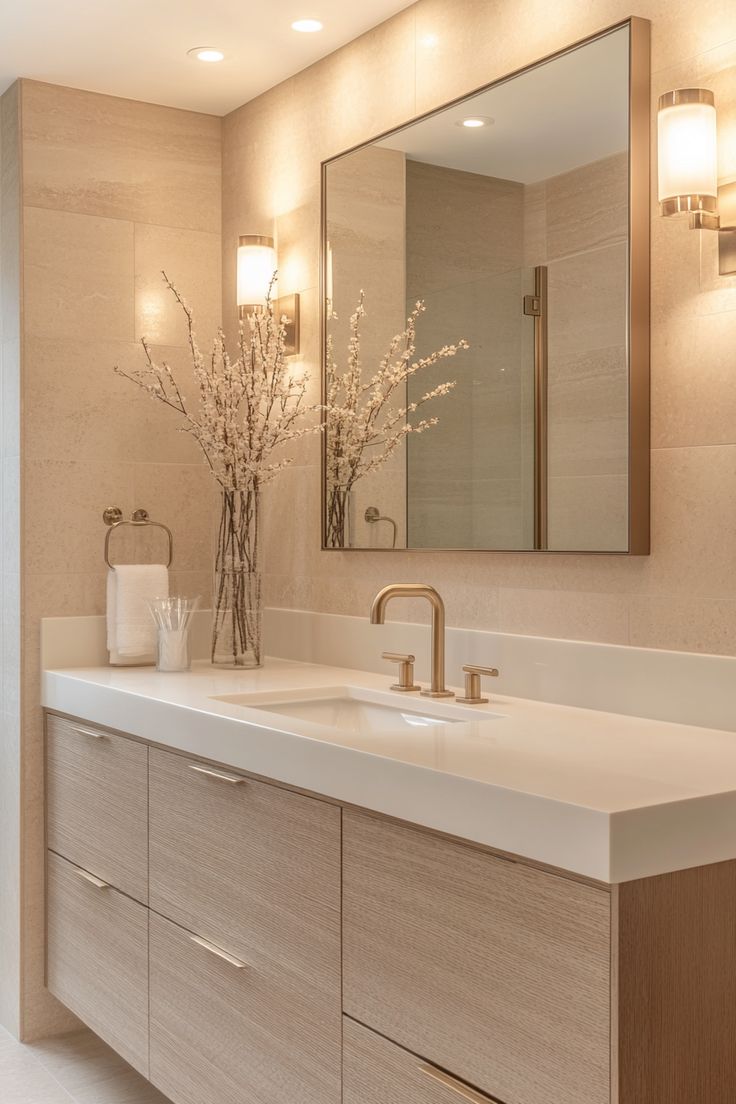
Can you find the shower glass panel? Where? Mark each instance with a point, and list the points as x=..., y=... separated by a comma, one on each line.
x=473, y=474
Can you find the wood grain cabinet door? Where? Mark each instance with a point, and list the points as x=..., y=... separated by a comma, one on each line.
x=97, y=802
x=376, y=1071
x=97, y=957
x=253, y=870
x=228, y=1031
x=492, y=970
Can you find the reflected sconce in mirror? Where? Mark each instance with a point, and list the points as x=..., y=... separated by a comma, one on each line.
x=256, y=269
x=687, y=147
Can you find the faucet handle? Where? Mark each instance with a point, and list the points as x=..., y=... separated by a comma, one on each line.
x=406, y=670
x=472, y=684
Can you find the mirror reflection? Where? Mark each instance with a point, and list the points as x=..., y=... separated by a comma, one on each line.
x=500, y=223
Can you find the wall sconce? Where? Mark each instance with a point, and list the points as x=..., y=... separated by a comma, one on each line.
x=256, y=266
x=687, y=148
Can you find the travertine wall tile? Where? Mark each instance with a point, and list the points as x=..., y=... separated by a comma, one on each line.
x=101, y=155
x=574, y=617
x=191, y=260
x=78, y=276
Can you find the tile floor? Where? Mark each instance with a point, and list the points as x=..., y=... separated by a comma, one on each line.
x=69, y=1069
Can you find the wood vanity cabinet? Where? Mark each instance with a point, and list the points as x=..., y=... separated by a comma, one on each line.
x=287, y=949
x=495, y=970
x=254, y=872
x=97, y=957
x=97, y=802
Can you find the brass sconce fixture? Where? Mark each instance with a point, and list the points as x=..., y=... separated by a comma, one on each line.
x=256, y=266
x=688, y=169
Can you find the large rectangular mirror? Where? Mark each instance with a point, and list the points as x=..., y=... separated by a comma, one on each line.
x=518, y=218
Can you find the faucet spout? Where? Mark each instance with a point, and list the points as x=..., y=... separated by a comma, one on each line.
x=420, y=590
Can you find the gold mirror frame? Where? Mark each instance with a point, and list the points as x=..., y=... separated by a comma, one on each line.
x=638, y=312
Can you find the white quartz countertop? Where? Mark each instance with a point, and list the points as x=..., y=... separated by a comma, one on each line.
x=608, y=796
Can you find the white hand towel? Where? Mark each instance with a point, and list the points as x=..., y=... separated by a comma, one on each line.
x=131, y=631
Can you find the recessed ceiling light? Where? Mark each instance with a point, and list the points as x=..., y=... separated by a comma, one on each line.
x=206, y=53
x=306, y=26
x=473, y=122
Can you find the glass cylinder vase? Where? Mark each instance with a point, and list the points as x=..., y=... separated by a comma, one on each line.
x=237, y=604
x=338, y=521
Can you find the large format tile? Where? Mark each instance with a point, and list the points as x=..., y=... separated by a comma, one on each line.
x=192, y=260
x=580, y=616
x=24, y=1079
x=78, y=278
x=693, y=397
x=92, y=1072
x=679, y=622
x=101, y=155
x=77, y=406
x=63, y=527
x=588, y=208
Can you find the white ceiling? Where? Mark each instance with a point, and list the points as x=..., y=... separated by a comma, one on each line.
x=553, y=118
x=138, y=48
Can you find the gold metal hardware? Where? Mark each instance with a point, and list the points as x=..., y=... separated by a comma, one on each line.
x=532, y=305
x=472, y=684
x=420, y=590
x=693, y=205
x=89, y=732
x=96, y=882
x=113, y=518
x=221, y=776
x=255, y=239
x=406, y=671
x=373, y=514
x=219, y=953
x=540, y=409
x=458, y=1087
x=686, y=96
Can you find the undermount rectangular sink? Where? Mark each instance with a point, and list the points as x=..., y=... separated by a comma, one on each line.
x=351, y=709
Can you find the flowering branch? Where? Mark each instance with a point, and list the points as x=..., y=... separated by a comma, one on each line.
x=247, y=407
x=365, y=422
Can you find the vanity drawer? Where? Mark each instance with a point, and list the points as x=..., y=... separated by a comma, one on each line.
x=227, y=1031
x=376, y=1071
x=97, y=957
x=488, y=968
x=97, y=802
x=249, y=866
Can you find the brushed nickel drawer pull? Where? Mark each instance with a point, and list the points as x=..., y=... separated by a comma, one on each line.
x=221, y=776
x=96, y=882
x=458, y=1087
x=89, y=732
x=218, y=952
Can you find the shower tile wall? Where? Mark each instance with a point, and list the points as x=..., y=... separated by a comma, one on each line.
x=578, y=226
x=468, y=475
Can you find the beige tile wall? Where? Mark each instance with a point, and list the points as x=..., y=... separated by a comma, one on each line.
x=113, y=191
x=583, y=245
x=466, y=475
x=684, y=594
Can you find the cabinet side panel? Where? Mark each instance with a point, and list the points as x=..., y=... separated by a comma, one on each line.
x=677, y=987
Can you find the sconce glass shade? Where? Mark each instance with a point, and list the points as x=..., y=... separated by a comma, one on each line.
x=687, y=152
x=256, y=266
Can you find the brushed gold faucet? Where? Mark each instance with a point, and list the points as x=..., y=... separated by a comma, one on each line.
x=420, y=590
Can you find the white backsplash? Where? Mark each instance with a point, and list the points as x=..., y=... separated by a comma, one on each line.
x=683, y=687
